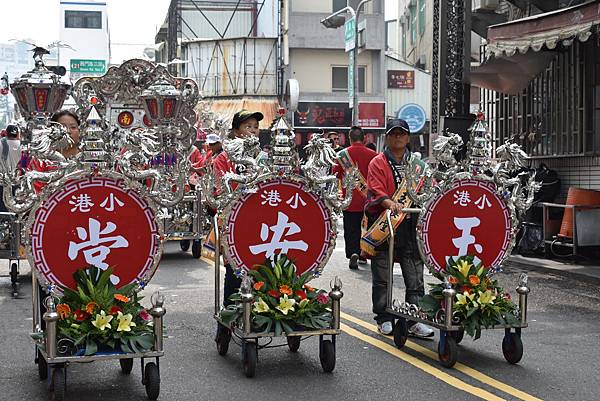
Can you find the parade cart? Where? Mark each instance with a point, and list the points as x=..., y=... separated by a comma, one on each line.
x=277, y=214
x=92, y=233
x=185, y=223
x=11, y=247
x=467, y=224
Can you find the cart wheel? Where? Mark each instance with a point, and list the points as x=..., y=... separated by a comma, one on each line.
x=400, y=333
x=42, y=367
x=184, y=244
x=196, y=249
x=447, y=350
x=294, y=343
x=458, y=335
x=327, y=355
x=152, y=380
x=223, y=339
x=249, y=358
x=58, y=385
x=126, y=365
x=512, y=347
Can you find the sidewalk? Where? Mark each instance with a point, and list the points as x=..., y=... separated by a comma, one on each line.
x=559, y=267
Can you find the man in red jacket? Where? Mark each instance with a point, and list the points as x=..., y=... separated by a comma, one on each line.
x=357, y=155
x=387, y=184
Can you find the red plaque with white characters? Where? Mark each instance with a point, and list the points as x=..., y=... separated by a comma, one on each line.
x=281, y=217
x=94, y=221
x=469, y=218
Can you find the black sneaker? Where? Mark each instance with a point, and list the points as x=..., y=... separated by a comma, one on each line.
x=362, y=261
x=353, y=265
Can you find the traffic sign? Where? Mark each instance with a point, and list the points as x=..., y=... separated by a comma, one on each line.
x=469, y=218
x=280, y=217
x=414, y=115
x=88, y=66
x=350, y=33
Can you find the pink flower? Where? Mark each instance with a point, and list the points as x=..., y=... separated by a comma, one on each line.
x=322, y=298
x=144, y=315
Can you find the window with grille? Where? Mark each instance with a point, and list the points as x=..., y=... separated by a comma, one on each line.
x=83, y=19
x=559, y=112
x=339, y=79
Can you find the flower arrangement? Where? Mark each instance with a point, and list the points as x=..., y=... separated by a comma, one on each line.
x=99, y=316
x=283, y=301
x=479, y=302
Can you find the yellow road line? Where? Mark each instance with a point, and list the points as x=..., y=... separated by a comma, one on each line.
x=435, y=372
x=475, y=374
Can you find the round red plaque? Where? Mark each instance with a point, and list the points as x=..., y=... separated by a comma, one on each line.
x=281, y=217
x=94, y=221
x=467, y=219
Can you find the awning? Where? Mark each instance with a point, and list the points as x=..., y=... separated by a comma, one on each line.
x=510, y=75
x=519, y=50
x=548, y=29
x=226, y=108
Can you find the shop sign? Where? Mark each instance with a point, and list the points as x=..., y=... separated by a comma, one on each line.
x=400, y=79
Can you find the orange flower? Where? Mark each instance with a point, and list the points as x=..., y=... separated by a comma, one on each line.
x=474, y=280
x=63, y=310
x=90, y=307
x=274, y=293
x=308, y=288
x=258, y=285
x=466, y=288
x=122, y=298
x=285, y=290
x=301, y=294
x=452, y=280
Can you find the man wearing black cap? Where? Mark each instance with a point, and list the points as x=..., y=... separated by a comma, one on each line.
x=386, y=191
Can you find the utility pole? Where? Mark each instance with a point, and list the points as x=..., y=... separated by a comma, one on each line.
x=334, y=21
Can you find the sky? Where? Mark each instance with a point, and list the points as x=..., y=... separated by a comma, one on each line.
x=132, y=23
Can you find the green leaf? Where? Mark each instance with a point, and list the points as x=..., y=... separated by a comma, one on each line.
x=90, y=347
x=278, y=328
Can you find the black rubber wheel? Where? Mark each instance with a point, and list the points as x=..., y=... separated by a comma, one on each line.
x=42, y=367
x=184, y=244
x=14, y=279
x=152, y=380
x=327, y=355
x=400, y=333
x=249, y=358
x=457, y=335
x=126, y=365
x=57, y=387
x=14, y=273
x=294, y=343
x=447, y=351
x=196, y=249
x=512, y=348
x=223, y=338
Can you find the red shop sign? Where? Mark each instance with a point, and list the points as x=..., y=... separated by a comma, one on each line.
x=467, y=219
x=94, y=221
x=281, y=217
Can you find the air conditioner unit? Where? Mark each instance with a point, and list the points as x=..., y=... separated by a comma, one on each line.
x=488, y=5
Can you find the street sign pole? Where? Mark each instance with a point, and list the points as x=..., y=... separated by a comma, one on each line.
x=351, y=81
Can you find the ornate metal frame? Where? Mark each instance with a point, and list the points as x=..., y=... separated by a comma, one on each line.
x=128, y=185
x=240, y=195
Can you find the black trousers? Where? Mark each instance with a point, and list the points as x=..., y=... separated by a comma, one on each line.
x=407, y=253
x=352, y=232
x=231, y=285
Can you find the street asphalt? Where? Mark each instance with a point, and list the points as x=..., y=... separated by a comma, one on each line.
x=560, y=362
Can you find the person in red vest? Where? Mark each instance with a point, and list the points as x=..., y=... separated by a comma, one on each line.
x=357, y=155
x=386, y=182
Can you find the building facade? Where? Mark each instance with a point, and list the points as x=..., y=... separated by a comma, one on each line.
x=84, y=29
x=316, y=58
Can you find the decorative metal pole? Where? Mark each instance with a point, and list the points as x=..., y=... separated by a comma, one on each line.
x=335, y=294
x=157, y=312
x=523, y=290
x=51, y=317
